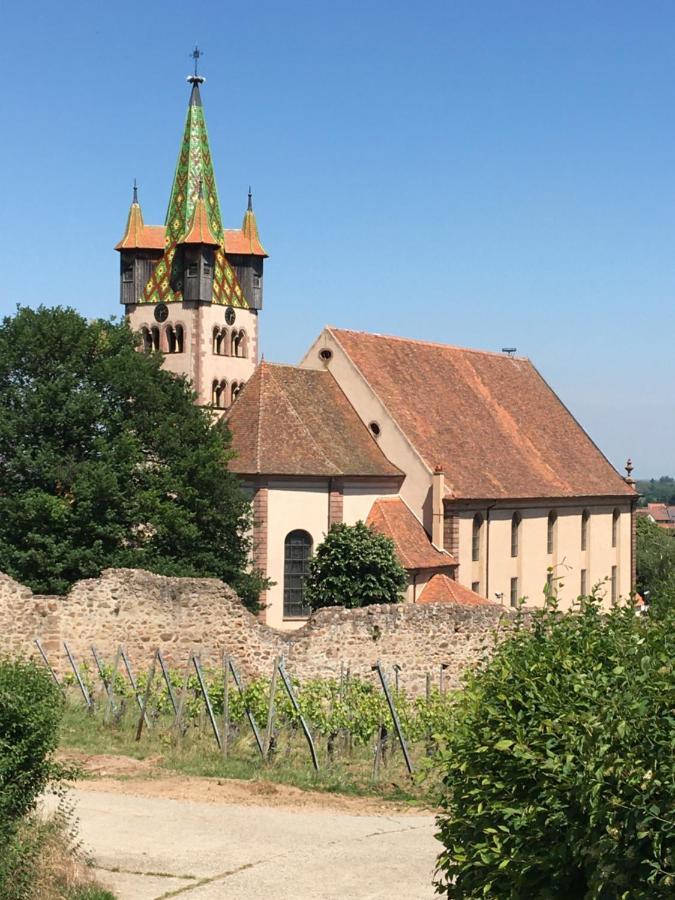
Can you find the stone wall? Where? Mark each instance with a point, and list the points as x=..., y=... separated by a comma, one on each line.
x=143, y=611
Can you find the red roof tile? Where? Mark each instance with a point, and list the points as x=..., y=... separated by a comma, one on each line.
x=139, y=236
x=442, y=589
x=238, y=242
x=393, y=517
x=291, y=421
x=200, y=231
x=152, y=237
x=489, y=420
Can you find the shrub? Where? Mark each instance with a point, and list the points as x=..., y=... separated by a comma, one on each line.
x=354, y=566
x=559, y=766
x=30, y=711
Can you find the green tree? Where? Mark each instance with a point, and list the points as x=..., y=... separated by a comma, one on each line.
x=354, y=566
x=559, y=767
x=105, y=460
x=655, y=561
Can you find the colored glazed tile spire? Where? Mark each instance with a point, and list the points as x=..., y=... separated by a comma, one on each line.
x=249, y=228
x=194, y=167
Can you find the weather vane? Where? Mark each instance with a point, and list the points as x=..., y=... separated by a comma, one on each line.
x=196, y=78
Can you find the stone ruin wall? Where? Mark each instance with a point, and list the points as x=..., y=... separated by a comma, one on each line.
x=143, y=611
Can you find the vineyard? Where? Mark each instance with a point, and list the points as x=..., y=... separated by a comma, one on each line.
x=360, y=731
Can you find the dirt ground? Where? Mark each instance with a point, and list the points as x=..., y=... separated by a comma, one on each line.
x=153, y=834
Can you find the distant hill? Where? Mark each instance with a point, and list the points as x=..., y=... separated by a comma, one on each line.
x=658, y=490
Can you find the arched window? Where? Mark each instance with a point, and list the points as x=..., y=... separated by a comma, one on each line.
x=297, y=551
x=616, y=518
x=219, y=394
x=170, y=339
x=220, y=341
x=155, y=337
x=475, y=537
x=585, y=518
x=550, y=532
x=243, y=344
x=236, y=389
x=147, y=339
x=515, y=534
x=180, y=338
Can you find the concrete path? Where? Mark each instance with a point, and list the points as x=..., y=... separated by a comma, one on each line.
x=146, y=848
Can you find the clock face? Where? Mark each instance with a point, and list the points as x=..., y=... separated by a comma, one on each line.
x=230, y=315
x=162, y=312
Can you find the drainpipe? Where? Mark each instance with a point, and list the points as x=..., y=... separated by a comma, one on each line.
x=487, y=548
x=437, y=492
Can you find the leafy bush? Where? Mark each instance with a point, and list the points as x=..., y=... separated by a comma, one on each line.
x=559, y=766
x=354, y=566
x=655, y=562
x=30, y=710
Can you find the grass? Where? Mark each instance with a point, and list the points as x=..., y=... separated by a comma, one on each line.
x=196, y=753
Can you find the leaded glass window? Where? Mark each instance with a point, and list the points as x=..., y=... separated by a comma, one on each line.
x=297, y=551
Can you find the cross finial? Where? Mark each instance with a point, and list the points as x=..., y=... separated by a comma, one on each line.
x=196, y=78
x=196, y=53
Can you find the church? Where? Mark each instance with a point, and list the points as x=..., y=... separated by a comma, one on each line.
x=467, y=459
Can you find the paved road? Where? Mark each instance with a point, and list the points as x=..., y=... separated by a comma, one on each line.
x=147, y=848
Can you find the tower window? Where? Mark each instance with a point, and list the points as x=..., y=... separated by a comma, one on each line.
x=297, y=551
x=219, y=394
x=155, y=338
x=170, y=339
x=147, y=339
x=179, y=338
x=128, y=272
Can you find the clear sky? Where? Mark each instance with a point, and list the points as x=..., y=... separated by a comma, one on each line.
x=485, y=174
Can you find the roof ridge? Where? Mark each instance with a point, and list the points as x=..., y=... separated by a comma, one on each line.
x=405, y=340
x=304, y=427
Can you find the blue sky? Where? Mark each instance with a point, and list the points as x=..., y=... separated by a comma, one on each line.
x=485, y=174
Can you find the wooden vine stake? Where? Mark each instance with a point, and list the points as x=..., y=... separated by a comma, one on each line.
x=183, y=698
x=146, y=698
x=270, y=710
x=226, y=705
x=110, y=703
x=296, y=706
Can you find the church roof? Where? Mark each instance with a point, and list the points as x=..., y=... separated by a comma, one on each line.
x=393, y=517
x=138, y=235
x=489, y=420
x=153, y=237
x=291, y=421
x=200, y=230
x=442, y=589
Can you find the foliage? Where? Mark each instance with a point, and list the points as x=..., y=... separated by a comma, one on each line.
x=657, y=490
x=107, y=461
x=558, y=767
x=30, y=709
x=354, y=566
x=655, y=561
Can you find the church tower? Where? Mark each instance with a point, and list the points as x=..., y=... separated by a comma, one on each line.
x=192, y=289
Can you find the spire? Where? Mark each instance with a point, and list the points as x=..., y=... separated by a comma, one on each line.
x=134, y=233
x=249, y=228
x=194, y=164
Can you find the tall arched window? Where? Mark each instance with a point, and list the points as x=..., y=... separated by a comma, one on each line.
x=297, y=551
x=616, y=518
x=155, y=337
x=236, y=389
x=515, y=534
x=585, y=518
x=550, y=532
x=475, y=537
x=180, y=338
x=170, y=339
x=220, y=341
x=147, y=339
x=219, y=394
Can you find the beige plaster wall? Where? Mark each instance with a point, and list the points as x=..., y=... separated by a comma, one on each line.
x=416, y=487
x=297, y=504
x=532, y=562
x=198, y=361
x=179, y=615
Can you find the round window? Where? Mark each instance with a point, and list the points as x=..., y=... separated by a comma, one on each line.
x=326, y=355
x=375, y=428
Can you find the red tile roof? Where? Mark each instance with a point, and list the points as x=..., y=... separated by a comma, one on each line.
x=139, y=236
x=291, y=421
x=393, y=517
x=442, y=589
x=239, y=242
x=152, y=237
x=200, y=231
x=489, y=420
